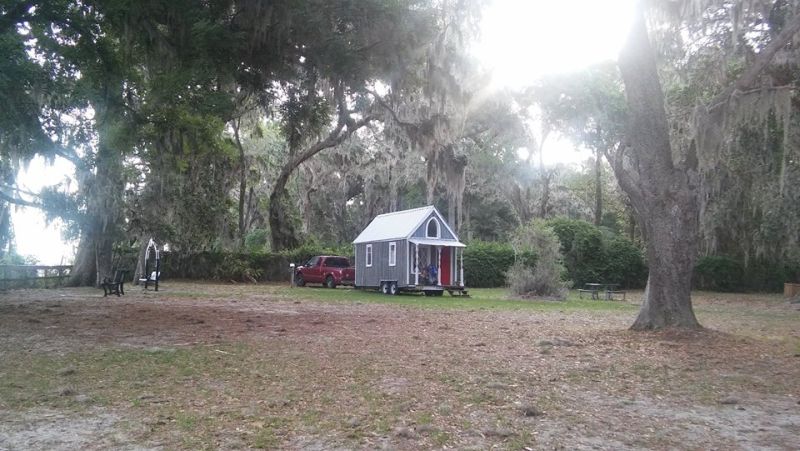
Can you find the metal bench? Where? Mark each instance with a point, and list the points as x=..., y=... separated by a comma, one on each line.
x=608, y=290
x=115, y=285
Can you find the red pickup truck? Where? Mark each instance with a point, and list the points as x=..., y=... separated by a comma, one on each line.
x=329, y=270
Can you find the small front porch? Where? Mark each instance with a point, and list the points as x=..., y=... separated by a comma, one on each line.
x=436, y=266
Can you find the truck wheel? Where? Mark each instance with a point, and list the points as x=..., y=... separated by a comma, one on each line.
x=393, y=288
x=329, y=282
x=298, y=280
x=385, y=287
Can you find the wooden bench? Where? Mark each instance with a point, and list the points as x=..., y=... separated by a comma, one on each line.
x=593, y=293
x=115, y=285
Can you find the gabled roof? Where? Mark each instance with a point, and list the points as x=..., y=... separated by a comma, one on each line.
x=399, y=225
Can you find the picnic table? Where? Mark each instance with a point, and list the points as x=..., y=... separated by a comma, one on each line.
x=607, y=289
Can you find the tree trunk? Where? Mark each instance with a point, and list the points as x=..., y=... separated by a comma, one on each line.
x=242, y=182
x=664, y=196
x=598, y=188
x=282, y=230
x=84, y=270
x=544, y=206
x=671, y=251
x=139, y=273
x=104, y=189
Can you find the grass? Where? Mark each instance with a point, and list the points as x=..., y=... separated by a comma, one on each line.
x=480, y=299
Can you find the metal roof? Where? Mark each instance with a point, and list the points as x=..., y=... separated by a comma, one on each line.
x=437, y=242
x=398, y=225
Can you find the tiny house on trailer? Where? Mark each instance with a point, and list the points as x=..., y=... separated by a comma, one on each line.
x=410, y=250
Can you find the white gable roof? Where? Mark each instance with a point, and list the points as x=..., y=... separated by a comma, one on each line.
x=396, y=226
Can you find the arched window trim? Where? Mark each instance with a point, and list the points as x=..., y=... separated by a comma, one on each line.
x=438, y=228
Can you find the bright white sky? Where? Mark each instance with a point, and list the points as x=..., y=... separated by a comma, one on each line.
x=521, y=41
x=33, y=236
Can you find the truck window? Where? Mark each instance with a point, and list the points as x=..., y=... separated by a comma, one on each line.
x=338, y=262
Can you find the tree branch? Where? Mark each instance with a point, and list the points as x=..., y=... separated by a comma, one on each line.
x=764, y=57
x=391, y=111
x=18, y=201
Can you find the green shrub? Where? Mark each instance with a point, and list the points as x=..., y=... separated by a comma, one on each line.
x=582, y=247
x=624, y=264
x=241, y=266
x=486, y=263
x=718, y=273
x=769, y=276
x=256, y=240
x=542, y=275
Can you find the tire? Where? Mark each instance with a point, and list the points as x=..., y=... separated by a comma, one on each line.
x=298, y=280
x=393, y=288
x=329, y=282
x=384, y=288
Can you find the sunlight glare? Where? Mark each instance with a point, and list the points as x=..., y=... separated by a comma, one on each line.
x=33, y=236
x=523, y=40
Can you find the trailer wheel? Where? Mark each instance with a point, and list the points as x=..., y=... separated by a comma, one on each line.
x=384, y=288
x=393, y=288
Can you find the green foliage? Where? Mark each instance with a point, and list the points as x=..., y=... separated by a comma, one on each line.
x=582, y=247
x=243, y=266
x=256, y=240
x=593, y=254
x=624, y=264
x=723, y=273
x=13, y=258
x=718, y=273
x=538, y=269
x=486, y=263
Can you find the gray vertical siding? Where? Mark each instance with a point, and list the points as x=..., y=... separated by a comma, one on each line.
x=380, y=269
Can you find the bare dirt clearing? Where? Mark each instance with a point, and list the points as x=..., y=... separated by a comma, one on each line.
x=216, y=366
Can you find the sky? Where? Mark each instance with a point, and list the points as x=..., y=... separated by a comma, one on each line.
x=521, y=40
x=33, y=236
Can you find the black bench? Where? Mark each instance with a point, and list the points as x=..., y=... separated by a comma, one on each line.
x=115, y=285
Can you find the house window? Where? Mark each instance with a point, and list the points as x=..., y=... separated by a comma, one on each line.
x=392, y=254
x=433, y=228
x=369, y=255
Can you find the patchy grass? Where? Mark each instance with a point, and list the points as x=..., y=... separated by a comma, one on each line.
x=479, y=299
x=203, y=366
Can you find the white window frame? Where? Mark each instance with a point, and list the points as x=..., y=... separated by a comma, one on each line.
x=368, y=258
x=392, y=253
x=438, y=228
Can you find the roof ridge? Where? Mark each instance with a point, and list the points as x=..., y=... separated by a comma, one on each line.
x=404, y=211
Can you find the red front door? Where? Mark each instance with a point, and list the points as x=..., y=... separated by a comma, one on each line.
x=444, y=273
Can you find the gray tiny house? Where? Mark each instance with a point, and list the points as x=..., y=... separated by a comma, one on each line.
x=410, y=250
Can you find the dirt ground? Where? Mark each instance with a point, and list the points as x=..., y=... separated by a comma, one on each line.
x=201, y=366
